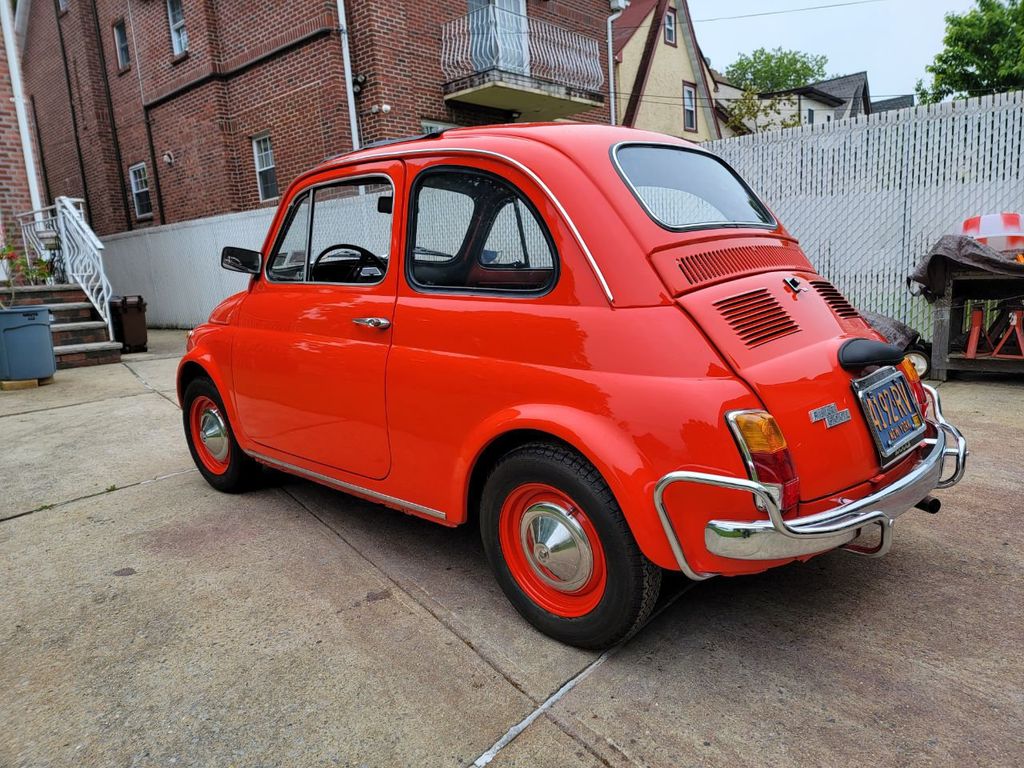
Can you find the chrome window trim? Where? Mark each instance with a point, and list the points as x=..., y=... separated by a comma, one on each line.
x=342, y=485
x=699, y=225
x=523, y=169
x=310, y=190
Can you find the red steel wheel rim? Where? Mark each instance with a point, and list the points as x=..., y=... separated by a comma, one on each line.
x=210, y=436
x=552, y=550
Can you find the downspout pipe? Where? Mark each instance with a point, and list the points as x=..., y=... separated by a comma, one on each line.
x=618, y=6
x=350, y=94
x=14, y=67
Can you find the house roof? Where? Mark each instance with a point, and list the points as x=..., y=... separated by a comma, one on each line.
x=851, y=90
x=897, y=102
x=808, y=90
x=629, y=22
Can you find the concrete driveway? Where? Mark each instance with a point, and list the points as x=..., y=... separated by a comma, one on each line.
x=147, y=620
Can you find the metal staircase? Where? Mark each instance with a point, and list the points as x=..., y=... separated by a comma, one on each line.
x=78, y=293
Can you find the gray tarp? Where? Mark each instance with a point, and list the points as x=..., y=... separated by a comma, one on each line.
x=929, y=276
x=896, y=333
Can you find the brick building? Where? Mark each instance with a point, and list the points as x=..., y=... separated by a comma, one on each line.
x=14, y=181
x=157, y=111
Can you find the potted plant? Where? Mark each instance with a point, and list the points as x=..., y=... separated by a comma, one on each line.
x=26, y=344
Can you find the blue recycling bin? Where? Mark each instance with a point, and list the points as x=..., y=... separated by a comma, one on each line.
x=26, y=345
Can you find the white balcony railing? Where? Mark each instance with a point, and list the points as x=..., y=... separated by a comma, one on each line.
x=494, y=39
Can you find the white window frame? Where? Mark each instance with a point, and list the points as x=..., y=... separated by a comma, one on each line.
x=179, y=35
x=669, y=23
x=121, y=45
x=62, y=5
x=136, y=190
x=273, y=166
x=687, y=110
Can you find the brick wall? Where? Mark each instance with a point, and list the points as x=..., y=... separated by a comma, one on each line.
x=14, y=197
x=273, y=66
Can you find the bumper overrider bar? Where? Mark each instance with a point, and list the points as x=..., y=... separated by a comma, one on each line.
x=776, y=538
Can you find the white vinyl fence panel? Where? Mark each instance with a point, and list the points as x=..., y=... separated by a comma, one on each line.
x=176, y=267
x=868, y=197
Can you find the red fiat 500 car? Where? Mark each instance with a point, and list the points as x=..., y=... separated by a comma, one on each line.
x=595, y=341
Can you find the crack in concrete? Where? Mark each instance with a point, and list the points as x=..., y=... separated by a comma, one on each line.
x=104, y=492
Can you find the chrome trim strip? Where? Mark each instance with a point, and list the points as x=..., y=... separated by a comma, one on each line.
x=342, y=485
x=533, y=177
x=700, y=225
x=777, y=538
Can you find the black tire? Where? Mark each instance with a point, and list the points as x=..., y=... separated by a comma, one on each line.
x=632, y=581
x=241, y=472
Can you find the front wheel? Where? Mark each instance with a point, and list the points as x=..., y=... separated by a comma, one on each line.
x=211, y=441
x=561, y=549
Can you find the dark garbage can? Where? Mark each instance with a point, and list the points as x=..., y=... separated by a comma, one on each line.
x=26, y=345
x=128, y=314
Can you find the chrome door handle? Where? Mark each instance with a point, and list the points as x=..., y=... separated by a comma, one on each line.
x=380, y=323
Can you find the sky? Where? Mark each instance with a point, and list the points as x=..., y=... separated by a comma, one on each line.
x=893, y=40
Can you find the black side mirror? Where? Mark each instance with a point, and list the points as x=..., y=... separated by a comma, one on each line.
x=241, y=260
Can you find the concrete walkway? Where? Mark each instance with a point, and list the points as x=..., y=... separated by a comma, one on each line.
x=147, y=620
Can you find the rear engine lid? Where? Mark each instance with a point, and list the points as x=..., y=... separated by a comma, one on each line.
x=781, y=332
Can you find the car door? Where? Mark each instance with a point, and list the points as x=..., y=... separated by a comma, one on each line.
x=314, y=332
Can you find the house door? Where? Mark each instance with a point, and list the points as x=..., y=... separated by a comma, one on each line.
x=500, y=32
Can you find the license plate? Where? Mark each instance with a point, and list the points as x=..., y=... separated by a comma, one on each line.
x=891, y=411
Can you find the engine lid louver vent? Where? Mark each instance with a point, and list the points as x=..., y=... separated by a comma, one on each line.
x=756, y=317
x=835, y=299
x=709, y=266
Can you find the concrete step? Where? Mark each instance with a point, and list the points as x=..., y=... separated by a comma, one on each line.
x=86, y=332
x=70, y=311
x=81, y=355
x=47, y=294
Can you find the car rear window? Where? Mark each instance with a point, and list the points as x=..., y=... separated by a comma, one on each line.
x=687, y=189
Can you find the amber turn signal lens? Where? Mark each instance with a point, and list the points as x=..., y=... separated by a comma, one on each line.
x=760, y=433
x=909, y=371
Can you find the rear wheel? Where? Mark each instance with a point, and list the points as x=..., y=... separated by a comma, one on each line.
x=211, y=441
x=561, y=549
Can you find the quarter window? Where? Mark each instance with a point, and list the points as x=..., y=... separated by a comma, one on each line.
x=288, y=261
x=176, y=20
x=670, y=26
x=121, y=44
x=689, y=107
x=140, y=191
x=474, y=231
x=266, y=172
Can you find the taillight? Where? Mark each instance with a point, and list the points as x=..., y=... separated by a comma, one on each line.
x=768, y=459
x=908, y=369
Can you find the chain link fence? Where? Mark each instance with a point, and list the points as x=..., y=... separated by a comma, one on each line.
x=868, y=197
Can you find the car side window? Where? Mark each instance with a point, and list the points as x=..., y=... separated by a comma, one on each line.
x=288, y=261
x=351, y=234
x=473, y=231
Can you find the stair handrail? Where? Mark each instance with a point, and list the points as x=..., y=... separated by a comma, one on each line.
x=83, y=257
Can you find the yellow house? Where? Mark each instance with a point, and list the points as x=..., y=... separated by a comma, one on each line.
x=662, y=81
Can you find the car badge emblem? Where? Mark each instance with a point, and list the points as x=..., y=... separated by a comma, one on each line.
x=831, y=415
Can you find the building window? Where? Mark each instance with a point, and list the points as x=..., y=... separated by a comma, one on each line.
x=140, y=191
x=266, y=174
x=121, y=44
x=176, y=19
x=689, y=107
x=670, y=26
x=62, y=5
x=810, y=117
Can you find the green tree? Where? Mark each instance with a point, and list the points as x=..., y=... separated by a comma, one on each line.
x=778, y=70
x=983, y=53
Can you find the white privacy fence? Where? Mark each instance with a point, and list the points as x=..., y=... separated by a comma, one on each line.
x=867, y=197
x=176, y=267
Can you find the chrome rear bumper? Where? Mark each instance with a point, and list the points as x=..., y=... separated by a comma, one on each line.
x=776, y=538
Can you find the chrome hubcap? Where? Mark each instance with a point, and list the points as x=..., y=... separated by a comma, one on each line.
x=556, y=547
x=214, y=433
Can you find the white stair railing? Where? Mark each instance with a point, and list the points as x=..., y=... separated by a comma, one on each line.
x=82, y=253
x=41, y=238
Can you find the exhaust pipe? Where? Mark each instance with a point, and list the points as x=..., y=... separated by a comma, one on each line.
x=929, y=504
